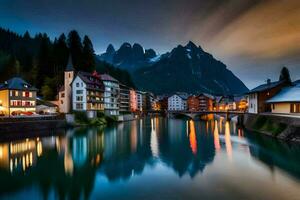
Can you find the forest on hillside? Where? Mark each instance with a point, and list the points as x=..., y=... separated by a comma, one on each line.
x=41, y=61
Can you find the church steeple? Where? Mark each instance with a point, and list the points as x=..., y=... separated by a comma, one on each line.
x=70, y=66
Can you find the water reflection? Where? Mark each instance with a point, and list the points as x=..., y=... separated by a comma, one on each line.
x=69, y=164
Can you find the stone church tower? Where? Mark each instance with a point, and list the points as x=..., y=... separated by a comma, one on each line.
x=65, y=93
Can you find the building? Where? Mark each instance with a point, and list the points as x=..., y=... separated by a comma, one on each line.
x=240, y=103
x=206, y=102
x=17, y=97
x=140, y=99
x=177, y=102
x=161, y=103
x=149, y=103
x=193, y=103
x=133, y=100
x=225, y=103
x=111, y=94
x=65, y=92
x=258, y=96
x=287, y=101
x=46, y=107
x=124, y=99
x=87, y=92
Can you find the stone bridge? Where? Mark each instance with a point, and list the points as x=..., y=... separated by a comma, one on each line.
x=228, y=115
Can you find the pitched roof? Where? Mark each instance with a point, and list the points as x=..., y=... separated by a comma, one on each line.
x=70, y=66
x=183, y=96
x=288, y=94
x=92, y=81
x=266, y=86
x=107, y=77
x=17, y=83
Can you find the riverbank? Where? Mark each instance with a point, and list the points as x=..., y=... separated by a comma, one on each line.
x=282, y=127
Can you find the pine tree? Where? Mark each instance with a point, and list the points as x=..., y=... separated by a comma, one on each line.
x=88, y=55
x=285, y=75
x=75, y=46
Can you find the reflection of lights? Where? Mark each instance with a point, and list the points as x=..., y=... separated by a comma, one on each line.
x=68, y=163
x=1, y=152
x=39, y=148
x=154, y=141
x=11, y=165
x=228, y=140
x=193, y=139
x=216, y=137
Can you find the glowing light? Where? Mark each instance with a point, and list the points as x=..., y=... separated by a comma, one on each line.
x=154, y=141
x=193, y=139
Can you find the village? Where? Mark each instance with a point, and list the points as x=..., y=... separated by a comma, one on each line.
x=94, y=92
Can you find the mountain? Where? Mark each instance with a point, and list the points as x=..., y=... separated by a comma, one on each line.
x=128, y=57
x=188, y=69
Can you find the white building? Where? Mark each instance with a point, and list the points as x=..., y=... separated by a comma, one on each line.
x=177, y=102
x=64, y=95
x=87, y=92
x=111, y=94
x=81, y=92
x=139, y=98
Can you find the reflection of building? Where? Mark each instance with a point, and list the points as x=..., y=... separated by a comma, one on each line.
x=17, y=97
x=19, y=155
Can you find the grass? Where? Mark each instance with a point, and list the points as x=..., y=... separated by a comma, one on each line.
x=265, y=124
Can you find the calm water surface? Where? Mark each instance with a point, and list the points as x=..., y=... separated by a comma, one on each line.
x=150, y=159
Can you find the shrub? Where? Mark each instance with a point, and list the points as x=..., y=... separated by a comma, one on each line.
x=81, y=117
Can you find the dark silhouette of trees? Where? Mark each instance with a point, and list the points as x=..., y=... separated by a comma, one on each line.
x=285, y=75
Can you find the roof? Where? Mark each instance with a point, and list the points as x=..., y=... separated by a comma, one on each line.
x=107, y=77
x=70, y=66
x=181, y=95
x=45, y=103
x=92, y=80
x=266, y=86
x=17, y=83
x=288, y=94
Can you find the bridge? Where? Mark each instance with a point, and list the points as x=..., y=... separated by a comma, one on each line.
x=228, y=115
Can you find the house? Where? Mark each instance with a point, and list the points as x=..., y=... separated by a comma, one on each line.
x=140, y=97
x=124, y=98
x=225, y=103
x=206, y=102
x=258, y=96
x=87, y=92
x=46, y=107
x=65, y=92
x=287, y=101
x=193, y=103
x=133, y=100
x=17, y=97
x=111, y=94
x=82, y=91
x=177, y=102
x=240, y=103
x=161, y=103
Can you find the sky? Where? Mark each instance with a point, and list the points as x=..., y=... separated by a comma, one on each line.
x=254, y=38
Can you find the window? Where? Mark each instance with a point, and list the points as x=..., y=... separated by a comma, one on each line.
x=25, y=94
x=77, y=84
x=79, y=98
x=295, y=108
x=62, y=95
x=273, y=105
x=79, y=91
x=62, y=102
x=79, y=106
x=14, y=93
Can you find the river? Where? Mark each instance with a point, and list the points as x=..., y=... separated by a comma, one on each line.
x=151, y=158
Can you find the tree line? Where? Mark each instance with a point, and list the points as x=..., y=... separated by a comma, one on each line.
x=41, y=61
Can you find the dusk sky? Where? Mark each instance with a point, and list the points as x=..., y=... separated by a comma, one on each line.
x=254, y=38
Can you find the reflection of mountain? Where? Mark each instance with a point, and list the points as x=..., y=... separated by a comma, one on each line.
x=185, y=150
x=275, y=153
